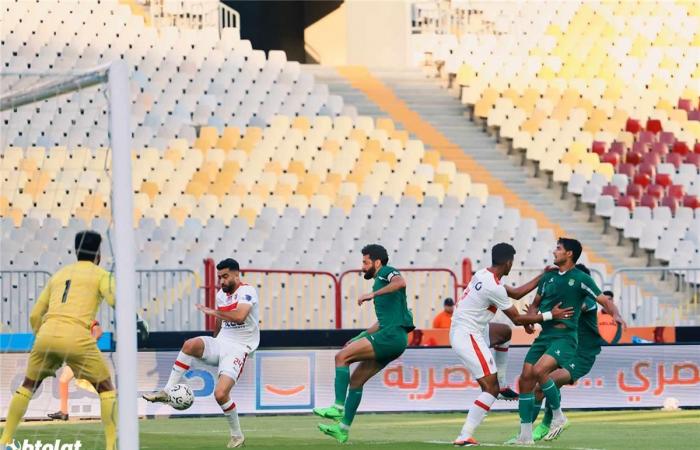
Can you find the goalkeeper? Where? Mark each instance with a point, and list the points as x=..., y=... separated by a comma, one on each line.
x=61, y=321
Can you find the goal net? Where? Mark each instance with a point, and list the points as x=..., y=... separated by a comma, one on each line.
x=65, y=166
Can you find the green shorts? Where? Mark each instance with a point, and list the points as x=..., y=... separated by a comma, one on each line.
x=389, y=343
x=561, y=347
x=580, y=366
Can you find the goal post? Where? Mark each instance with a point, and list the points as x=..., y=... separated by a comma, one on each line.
x=114, y=80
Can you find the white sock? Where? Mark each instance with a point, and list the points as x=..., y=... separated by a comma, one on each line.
x=558, y=415
x=500, y=356
x=477, y=413
x=231, y=413
x=182, y=365
x=526, y=431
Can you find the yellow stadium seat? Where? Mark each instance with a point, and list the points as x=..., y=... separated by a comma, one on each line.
x=414, y=192
x=150, y=189
x=250, y=140
x=431, y=157
x=301, y=123
x=196, y=189
x=229, y=140
x=358, y=136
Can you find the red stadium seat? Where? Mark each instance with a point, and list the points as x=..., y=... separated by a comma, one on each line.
x=634, y=191
x=675, y=159
x=667, y=137
x=612, y=158
x=617, y=147
x=671, y=202
x=694, y=114
x=649, y=169
x=612, y=191
x=685, y=104
x=633, y=126
x=633, y=158
x=654, y=125
x=598, y=147
x=649, y=201
x=696, y=148
x=653, y=159
x=646, y=136
x=642, y=179
x=659, y=148
x=656, y=191
x=681, y=147
x=627, y=169
x=640, y=147
x=663, y=179
x=693, y=158
x=691, y=201
x=676, y=191
x=627, y=202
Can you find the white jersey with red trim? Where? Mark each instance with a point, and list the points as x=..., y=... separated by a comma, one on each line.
x=480, y=301
x=248, y=332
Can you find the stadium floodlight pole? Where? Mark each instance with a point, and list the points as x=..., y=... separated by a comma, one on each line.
x=122, y=201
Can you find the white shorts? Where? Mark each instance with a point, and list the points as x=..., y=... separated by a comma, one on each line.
x=230, y=357
x=473, y=349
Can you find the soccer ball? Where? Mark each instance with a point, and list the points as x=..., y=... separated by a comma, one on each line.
x=181, y=397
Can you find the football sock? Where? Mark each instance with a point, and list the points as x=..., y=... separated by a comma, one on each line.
x=108, y=411
x=352, y=402
x=18, y=406
x=182, y=365
x=342, y=379
x=536, y=410
x=500, y=356
x=477, y=413
x=231, y=413
x=551, y=392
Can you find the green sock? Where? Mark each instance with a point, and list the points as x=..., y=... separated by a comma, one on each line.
x=525, y=406
x=547, y=419
x=342, y=379
x=551, y=392
x=351, y=405
x=536, y=410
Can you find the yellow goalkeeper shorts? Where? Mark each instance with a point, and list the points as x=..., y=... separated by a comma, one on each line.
x=58, y=343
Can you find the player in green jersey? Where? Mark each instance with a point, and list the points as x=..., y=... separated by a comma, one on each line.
x=556, y=345
x=589, y=346
x=374, y=348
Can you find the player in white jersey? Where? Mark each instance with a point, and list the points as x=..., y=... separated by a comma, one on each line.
x=469, y=333
x=236, y=336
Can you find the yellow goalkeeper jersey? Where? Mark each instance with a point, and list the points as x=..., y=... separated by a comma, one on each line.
x=73, y=295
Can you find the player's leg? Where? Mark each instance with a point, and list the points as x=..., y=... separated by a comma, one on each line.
x=63, y=384
x=474, y=354
x=42, y=363
x=87, y=363
x=364, y=371
x=193, y=348
x=499, y=338
x=527, y=382
x=222, y=394
x=559, y=354
x=359, y=350
x=560, y=378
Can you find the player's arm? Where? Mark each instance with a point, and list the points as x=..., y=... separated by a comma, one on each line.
x=609, y=306
x=395, y=283
x=108, y=287
x=40, y=308
x=531, y=318
x=217, y=327
x=521, y=291
x=237, y=315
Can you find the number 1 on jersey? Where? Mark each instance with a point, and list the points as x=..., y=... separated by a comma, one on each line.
x=65, y=292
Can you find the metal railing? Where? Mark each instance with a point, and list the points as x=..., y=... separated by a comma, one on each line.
x=19, y=290
x=194, y=14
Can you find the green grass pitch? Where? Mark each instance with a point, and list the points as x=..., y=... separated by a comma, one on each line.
x=639, y=430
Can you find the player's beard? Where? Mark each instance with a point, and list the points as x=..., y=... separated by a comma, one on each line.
x=228, y=288
x=369, y=273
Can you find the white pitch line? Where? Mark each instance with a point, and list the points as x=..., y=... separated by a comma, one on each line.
x=482, y=444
